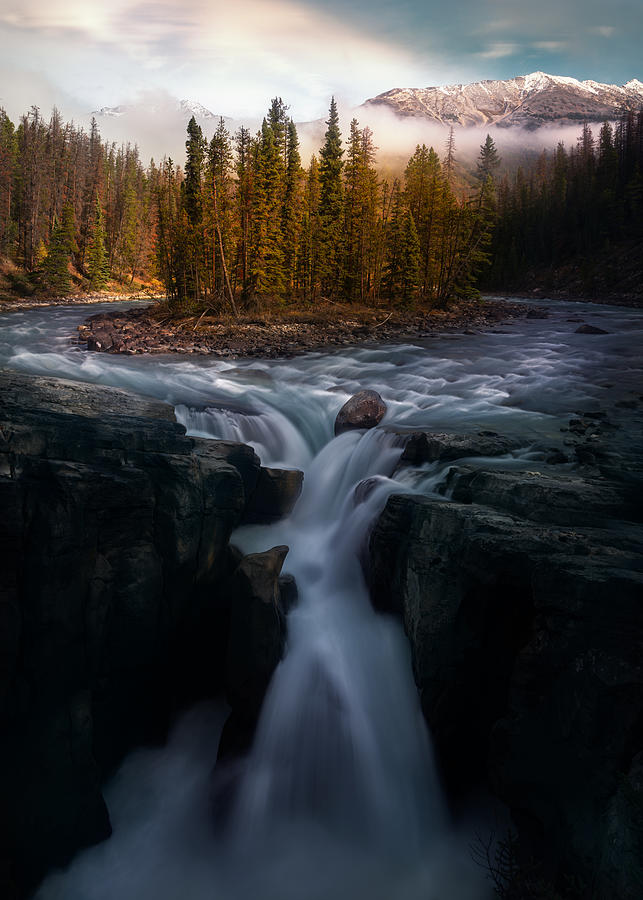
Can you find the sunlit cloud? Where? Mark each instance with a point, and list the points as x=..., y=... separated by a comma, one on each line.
x=236, y=55
x=499, y=50
x=550, y=46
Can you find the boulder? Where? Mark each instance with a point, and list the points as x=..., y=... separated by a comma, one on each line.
x=364, y=410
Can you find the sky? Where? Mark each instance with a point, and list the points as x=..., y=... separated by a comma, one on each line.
x=234, y=55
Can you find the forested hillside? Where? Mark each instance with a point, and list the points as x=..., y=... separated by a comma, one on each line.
x=246, y=224
x=73, y=209
x=574, y=221
x=243, y=223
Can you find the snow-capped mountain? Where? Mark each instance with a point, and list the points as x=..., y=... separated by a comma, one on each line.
x=192, y=108
x=187, y=108
x=529, y=101
x=111, y=112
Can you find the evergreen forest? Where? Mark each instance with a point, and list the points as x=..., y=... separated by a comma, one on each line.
x=244, y=222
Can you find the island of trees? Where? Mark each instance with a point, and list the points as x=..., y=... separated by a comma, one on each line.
x=245, y=224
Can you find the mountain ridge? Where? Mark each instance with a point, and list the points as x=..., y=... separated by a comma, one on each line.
x=529, y=101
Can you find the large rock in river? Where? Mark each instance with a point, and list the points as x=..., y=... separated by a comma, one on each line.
x=364, y=410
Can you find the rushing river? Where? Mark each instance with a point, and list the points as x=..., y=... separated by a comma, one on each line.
x=339, y=799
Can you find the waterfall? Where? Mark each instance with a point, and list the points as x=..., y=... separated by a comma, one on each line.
x=339, y=796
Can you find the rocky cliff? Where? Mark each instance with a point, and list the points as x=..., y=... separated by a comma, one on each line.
x=522, y=596
x=116, y=589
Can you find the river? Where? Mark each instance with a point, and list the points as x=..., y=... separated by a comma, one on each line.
x=339, y=799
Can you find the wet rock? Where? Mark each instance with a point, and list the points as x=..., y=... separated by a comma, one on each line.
x=241, y=456
x=256, y=638
x=537, y=314
x=426, y=446
x=288, y=593
x=579, y=426
x=525, y=638
x=274, y=496
x=590, y=329
x=568, y=499
x=100, y=340
x=556, y=458
x=365, y=409
x=113, y=549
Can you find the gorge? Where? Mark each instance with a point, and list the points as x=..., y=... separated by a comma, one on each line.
x=494, y=513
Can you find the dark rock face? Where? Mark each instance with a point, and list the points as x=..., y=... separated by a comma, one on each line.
x=256, y=630
x=274, y=496
x=526, y=636
x=113, y=559
x=255, y=643
x=571, y=500
x=364, y=410
x=433, y=446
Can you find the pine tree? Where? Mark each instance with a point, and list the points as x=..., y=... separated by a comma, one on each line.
x=449, y=159
x=193, y=205
x=370, y=227
x=278, y=120
x=402, y=261
x=430, y=201
x=220, y=162
x=97, y=260
x=244, y=205
x=55, y=266
x=353, y=203
x=169, y=246
x=488, y=160
x=331, y=205
x=69, y=229
x=292, y=212
x=310, y=233
x=267, y=240
x=476, y=222
x=8, y=161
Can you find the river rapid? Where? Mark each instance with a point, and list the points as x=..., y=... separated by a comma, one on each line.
x=339, y=798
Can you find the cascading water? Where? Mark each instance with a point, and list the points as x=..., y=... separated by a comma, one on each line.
x=338, y=798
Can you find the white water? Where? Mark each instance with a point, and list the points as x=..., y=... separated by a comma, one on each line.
x=339, y=797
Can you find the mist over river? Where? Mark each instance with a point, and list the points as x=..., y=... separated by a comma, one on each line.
x=339, y=797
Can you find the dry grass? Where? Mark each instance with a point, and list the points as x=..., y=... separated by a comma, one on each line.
x=325, y=313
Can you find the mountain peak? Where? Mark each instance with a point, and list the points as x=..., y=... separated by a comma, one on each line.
x=196, y=109
x=187, y=108
x=529, y=101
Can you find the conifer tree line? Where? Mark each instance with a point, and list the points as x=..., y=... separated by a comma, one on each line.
x=574, y=205
x=245, y=221
x=71, y=203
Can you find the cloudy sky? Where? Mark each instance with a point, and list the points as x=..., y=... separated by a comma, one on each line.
x=233, y=55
